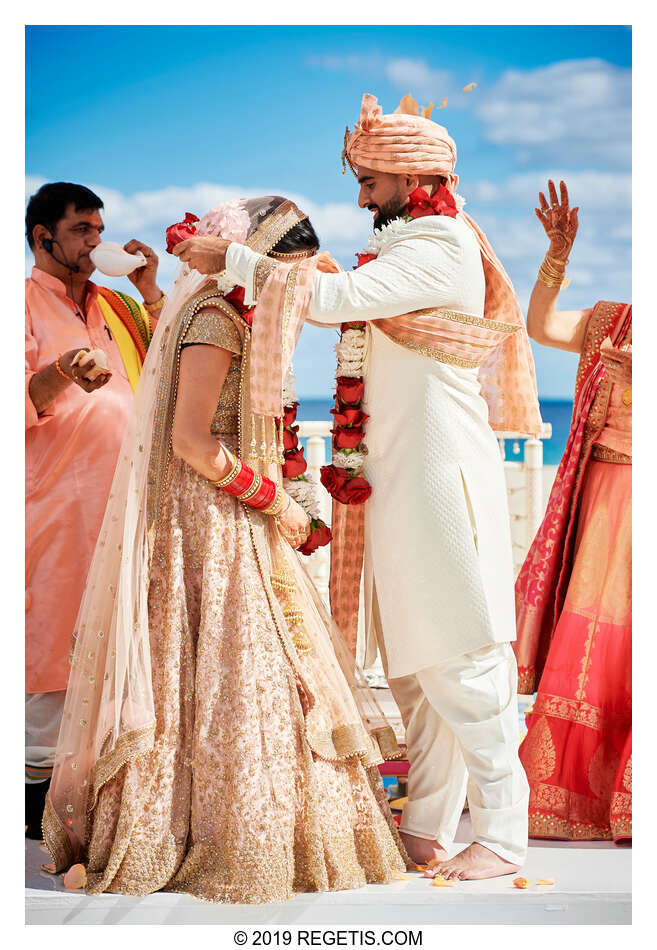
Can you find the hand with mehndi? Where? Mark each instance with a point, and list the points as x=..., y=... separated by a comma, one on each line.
x=617, y=362
x=559, y=221
x=205, y=254
x=294, y=523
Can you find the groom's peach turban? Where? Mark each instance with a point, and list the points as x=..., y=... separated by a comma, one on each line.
x=402, y=143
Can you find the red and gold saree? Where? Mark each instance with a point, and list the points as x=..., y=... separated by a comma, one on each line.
x=573, y=602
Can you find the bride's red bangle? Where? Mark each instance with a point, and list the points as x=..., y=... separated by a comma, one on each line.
x=257, y=491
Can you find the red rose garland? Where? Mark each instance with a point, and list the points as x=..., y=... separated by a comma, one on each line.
x=298, y=485
x=343, y=479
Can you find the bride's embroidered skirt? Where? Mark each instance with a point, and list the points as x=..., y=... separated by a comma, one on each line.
x=231, y=804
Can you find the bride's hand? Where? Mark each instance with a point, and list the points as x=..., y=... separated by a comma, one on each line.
x=558, y=220
x=205, y=254
x=294, y=523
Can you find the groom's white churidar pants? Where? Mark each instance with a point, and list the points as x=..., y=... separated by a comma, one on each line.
x=461, y=720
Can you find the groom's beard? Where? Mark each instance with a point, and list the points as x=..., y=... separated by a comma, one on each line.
x=387, y=213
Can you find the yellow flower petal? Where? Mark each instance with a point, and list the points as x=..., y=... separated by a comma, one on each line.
x=470, y=87
x=548, y=880
x=440, y=882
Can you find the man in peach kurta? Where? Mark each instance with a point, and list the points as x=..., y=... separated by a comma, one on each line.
x=73, y=433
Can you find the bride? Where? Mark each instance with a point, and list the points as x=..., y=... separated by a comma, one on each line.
x=217, y=739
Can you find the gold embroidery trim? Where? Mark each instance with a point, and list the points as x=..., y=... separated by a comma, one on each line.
x=386, y=740
x=261, y=273
x=467, y=318
x=439, y=355
x=552, y=826
x=574, y=710
x=603, y=453
x=288, y=303
x=55, y=838
x=275, y=226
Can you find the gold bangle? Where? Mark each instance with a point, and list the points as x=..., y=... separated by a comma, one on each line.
x=253, y=490
x=277, y=505
x=551, y=275
x=232, y=475
x=154, y=307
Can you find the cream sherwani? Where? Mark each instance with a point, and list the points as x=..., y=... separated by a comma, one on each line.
x=438, y=567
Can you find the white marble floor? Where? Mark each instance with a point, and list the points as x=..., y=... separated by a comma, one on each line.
x=592, y=886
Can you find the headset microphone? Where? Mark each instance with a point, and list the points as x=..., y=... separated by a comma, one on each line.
x=46, y=244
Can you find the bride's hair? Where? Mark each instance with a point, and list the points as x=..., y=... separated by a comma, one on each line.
x=302, y=237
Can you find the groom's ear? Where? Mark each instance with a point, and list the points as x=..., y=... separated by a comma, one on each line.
x=412, y=182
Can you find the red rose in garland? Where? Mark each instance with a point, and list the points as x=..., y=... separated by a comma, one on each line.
x=290, y=437
x=421, y=205
x=290, y=414
x=354, y=491
x=176, y=233
x=333, y=478
x=347, y=438
x=320, y=534
x=349, y=416
x=295, y=464
x=350, y=390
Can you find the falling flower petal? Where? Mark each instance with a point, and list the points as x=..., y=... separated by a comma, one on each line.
x=548, y=880
x=426, y=112
x=432, y=863
x=470, y=87
x=442, y=104
x=408, y=106
x=75, y=877
x=521, y=882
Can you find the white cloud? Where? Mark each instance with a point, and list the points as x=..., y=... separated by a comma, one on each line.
x=414, y=76
x=578, y=110
x=588, y=190
x=417, y=77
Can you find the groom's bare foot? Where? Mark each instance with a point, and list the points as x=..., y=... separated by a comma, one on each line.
x=422, y=850
x=473, y=864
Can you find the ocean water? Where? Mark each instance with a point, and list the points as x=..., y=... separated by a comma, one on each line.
x=555, y=411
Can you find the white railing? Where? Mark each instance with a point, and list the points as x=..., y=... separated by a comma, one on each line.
x=524, y=487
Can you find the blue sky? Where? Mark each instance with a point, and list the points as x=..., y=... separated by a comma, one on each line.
x=163, y=120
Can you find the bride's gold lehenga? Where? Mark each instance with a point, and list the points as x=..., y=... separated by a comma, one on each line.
x=243, y=797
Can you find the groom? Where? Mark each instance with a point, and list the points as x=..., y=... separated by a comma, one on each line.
x=438, y=572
